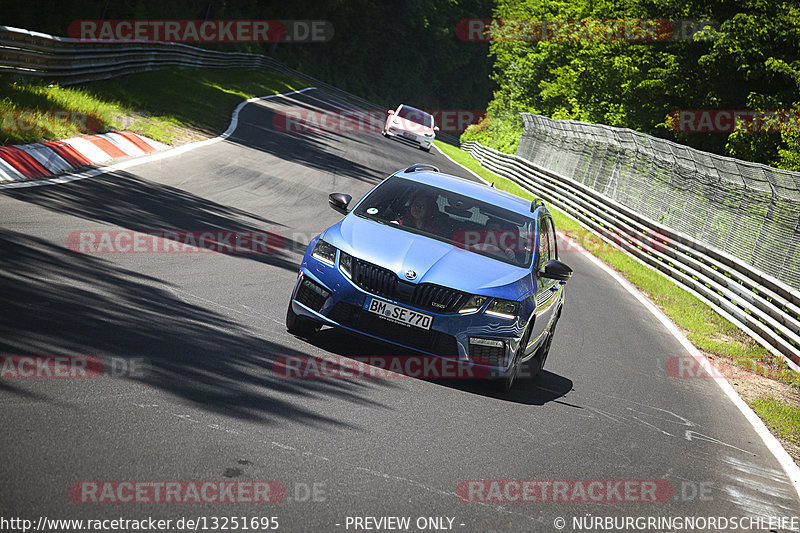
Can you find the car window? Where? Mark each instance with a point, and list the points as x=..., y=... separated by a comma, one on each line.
x=415, y=115
x=545, y=248
x=551, y=237
x=466, y=222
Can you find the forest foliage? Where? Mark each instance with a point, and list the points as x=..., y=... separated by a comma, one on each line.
x=386, y=51
x=747, y=58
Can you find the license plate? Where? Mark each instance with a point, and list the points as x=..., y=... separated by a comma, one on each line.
x=401, y=315
x=409, y=135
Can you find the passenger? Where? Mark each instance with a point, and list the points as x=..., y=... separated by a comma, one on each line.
x=501, y=239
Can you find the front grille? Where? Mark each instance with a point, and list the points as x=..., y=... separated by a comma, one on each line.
x=307, y=296
x=427, y=340
x=488, y=355
x=384, y=282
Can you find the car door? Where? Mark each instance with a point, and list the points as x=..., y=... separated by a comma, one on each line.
x=547, y=290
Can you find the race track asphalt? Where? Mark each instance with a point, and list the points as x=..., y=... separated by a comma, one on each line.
x=203, y=331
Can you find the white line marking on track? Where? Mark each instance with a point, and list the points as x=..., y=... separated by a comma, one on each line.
x=774, y=446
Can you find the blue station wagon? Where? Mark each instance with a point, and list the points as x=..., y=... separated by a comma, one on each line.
x=440, y=265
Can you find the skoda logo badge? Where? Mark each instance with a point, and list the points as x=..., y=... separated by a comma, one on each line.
x=410, y=274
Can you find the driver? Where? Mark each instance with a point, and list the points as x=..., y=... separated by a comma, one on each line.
x=423, y=213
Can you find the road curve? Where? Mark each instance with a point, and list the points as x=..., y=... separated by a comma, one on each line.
x=202, y=331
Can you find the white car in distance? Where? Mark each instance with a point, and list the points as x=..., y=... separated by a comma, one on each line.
x=411, y=125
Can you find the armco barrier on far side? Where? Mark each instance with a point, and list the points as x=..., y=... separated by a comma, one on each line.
x=31, y=55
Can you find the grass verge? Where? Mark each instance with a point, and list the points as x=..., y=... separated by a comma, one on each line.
x=780, y=418
x=775, y=398
x=171, y=106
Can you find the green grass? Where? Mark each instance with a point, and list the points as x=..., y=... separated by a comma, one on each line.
x=703, y=326
x=502, y=134
x=161, y=105
x=780, y=418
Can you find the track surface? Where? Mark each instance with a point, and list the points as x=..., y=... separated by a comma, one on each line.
x=210, y=325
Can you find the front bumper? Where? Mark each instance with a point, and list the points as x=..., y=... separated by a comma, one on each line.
x=418, y=139
x=324, y=294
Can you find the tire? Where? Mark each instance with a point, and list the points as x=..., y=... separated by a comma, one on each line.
x=425, y=149
x=300, y=326
x=505, y=384
x=544, y=350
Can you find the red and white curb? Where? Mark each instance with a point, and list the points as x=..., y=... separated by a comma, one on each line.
x=90, y=147
x=43, y=160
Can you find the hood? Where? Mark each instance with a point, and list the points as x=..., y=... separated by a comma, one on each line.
x=434, y=261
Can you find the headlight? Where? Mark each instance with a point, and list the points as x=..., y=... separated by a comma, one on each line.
x=429, y=135
x=345, y=264
x=324, y=252
x=473, y=304
x=503, y=308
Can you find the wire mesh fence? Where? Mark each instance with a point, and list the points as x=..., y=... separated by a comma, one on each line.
x=764, y=307
x=747, y=210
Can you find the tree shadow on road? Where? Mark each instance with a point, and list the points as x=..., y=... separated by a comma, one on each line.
x=126, y=201
x=55, y=302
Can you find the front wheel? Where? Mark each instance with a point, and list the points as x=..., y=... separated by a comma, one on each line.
x=507, y=383
x=300, y=326
x=544, y=350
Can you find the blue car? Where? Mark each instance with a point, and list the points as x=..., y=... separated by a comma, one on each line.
x=441, y=265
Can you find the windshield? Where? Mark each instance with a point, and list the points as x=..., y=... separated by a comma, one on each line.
x=460, y=220
x=416, y=116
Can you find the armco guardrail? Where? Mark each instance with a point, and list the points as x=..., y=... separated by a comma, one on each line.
x=30, y=55
x=762, y=306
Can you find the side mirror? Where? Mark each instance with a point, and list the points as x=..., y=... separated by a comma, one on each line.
x=555, y=269
x=390, y=112
x=339, y=202
x=436, y=128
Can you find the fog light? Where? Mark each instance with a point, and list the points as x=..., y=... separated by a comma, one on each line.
x=494, y=343
x=307, y=283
